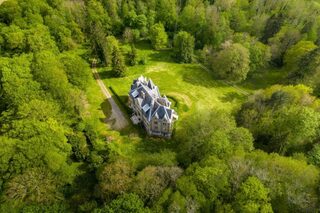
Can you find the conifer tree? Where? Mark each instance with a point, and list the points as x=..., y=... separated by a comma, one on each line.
x=118, y=65
x=133, y=56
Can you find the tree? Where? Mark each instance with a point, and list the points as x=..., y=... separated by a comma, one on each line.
x=253, y=197
x=126, y=203
x=17, y=84
x=115, y=179
x=167, y=13
x=152, y=181
x=260, y=54
x=33, y=186
x=118, y=65
x=49, y=72
x=14, y=37
x=183, y=45
x=216, y=134
x=314, y=155
x=297, y=52
x=292, y=183
x=133, y=56
x=111, y=43
x=203, y=182
x=98, y=25
x=39, y=39
x=282, y=41
x=232, y=63
x=281, y=118
x=9, y=11
x=193, y=17
x=77, y=70
x=158, y=36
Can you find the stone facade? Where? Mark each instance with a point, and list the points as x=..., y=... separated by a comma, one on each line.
x=150, y=108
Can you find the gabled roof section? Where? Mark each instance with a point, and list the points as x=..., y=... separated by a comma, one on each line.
x=146, y=96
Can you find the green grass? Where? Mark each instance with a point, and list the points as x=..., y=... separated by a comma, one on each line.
x=191, y=90
x=264, y=79
x=98, y=109
x=189, y=84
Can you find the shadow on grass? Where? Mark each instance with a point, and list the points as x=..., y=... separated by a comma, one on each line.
x=83, y=187
x=161, y=56
x=107, y=74
x=106, y=108
x=154, y=144
x=232, y=96
x=193, y=75
x=143, y=45
x=267, y=78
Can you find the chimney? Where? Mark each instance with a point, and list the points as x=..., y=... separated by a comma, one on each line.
x=142, y=94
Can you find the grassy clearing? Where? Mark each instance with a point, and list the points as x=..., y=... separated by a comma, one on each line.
x=189, y=84
x=264, y=79
x=191, y=90
x=98, y=109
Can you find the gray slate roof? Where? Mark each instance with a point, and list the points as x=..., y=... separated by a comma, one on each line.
x=151, y=103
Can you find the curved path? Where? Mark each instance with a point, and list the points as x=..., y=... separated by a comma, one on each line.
x=117, y=119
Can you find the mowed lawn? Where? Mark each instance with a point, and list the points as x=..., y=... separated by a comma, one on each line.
x=195, y=90
x=189, y=84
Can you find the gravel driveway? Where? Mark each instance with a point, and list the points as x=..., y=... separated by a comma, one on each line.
x=117, y=119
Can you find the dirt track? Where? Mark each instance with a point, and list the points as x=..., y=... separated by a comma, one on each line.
x=117, y=119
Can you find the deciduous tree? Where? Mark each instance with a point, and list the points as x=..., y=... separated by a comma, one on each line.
x=183, y=45
x=158, y=36
x=232, y=63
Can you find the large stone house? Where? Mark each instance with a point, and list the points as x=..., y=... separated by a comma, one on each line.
x=150, y=108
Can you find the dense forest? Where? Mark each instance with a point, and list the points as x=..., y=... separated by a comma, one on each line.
x=262, y=156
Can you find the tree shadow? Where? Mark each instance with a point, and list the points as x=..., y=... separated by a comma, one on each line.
x=143, y=45
x=232, y=96
x=161, y=56
x=106, y=108
x=203, y=78
x=82, y=187
x=107, y=74
x=261, y=80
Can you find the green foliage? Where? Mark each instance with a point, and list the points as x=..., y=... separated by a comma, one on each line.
x=292, y=183
x=260, y=54
x=152, y=181
x=158, y=36
x=79, y=145
x=115, y=179
x=55, y=148
x=216, y=134
x=282, y=41
x=204, y=182
x=17, y=82
x=232, y=63
x=118, y=65
x=297, y=52
x=183, y=45
x=314, y=155
x=281, y=118
x=193, y=17
x=77, y=70
x=130, y=203
x=166, y=12
x=14, y=38
x=111, y=44
x=253, y=197
x=39, y=39
x=33, y=186
x=307, y=70
x=133, y=56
